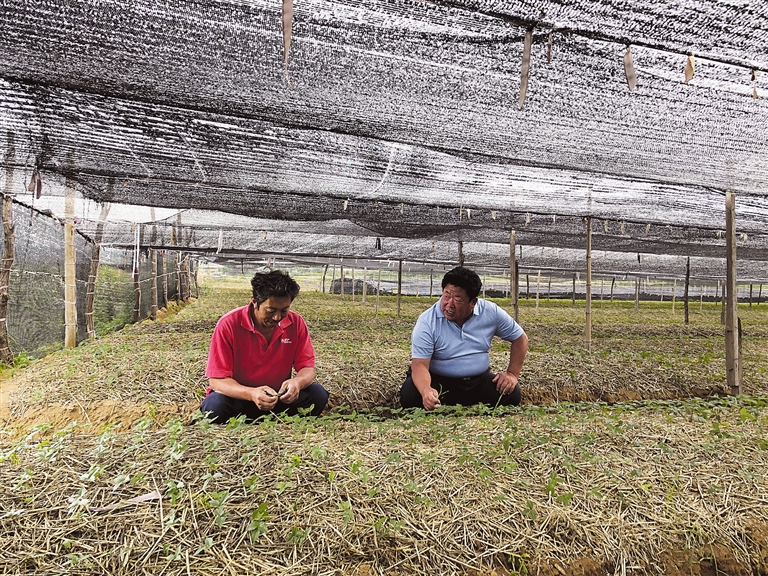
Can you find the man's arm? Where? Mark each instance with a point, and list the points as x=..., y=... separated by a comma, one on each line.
x=423, y=382
x=263, y=396
x=506, y=381
x=290, y=389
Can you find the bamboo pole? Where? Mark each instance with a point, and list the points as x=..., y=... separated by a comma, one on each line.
x=637, y=294
x=431, y=274
x=538, y=285
x=573, y=291
x=325, y=271
x=513, y=276
x=613, y=283
x=602, y=287
x=9, y=239
x=687, y=288
x=333, y=277
x=136, y=283
x=759, y=293
x=365, y=283
x=341, y=282
x=196, y=268
x=517, y=290
x=399, y=285
x=153, y=310
x=732, y=359
x=163, y=302
x=353, y=283
x=588, y=331
x=70, y=267
x=90, y=291
x=549, y=288
x=177, y=266
x=750, y=294
x=378, y=289
x=461, y=253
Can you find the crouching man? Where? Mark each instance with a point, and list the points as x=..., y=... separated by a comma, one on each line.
x=254, y=352
x=449, y=350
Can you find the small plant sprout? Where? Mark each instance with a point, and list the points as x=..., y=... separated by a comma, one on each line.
x=257, y=526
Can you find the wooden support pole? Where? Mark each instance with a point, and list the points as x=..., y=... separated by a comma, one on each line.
x=333, y=278
x=750, y=294
x=341, y=282
x=196, y=264
x=588, y=331
x=687, y=288
x=431, y=289
x=90, y=290
x=732, y=359
x=378, y=289
x=188, y=270
x=538, y=285
x=613, y=283
x=513, y=276
x=70, y=267
x=461, y=253
x=759, y=293
x=365, y=282
x=722, y=304
x=136, y=282
x=528, y=286
x=153, y=310
x=573, y=291
x=163, y=301
x=549, y=287
x=399, y=285
x=9, y=238
x=637, y=294
x=602, y=288
x=353, y=283
x=177, y=267
x=325, y=271
x=517, y=290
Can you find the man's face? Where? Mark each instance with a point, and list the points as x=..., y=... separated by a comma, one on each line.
x=455, y=304
x=271, y=311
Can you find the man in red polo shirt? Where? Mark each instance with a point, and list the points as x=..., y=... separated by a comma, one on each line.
x=254, y=351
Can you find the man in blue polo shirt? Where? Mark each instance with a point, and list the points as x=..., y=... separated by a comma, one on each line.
x=449, y=350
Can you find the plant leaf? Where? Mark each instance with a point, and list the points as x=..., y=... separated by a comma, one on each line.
x=629, y=69
x=525, y=67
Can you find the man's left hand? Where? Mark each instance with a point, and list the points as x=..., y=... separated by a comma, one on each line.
x=289, y=391
x=505, y=382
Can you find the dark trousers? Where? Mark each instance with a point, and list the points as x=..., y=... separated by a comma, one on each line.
x=222, y=407
x=465, y=391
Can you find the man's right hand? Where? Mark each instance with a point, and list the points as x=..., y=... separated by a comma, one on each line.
x=264, y=397
x=430, y=399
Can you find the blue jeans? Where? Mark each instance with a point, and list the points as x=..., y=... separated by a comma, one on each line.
x=222, y=407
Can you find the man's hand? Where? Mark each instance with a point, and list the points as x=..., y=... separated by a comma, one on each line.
x=430, y=399
x=289, y=391
x=264, y=397
x=505, y=382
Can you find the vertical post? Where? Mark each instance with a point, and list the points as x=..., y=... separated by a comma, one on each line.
x=637, y=294
x=365, y=282
x=722, y=303
x=341, y=279
x=750, y=294
x=8, y=251
x=538, y=285
x=325, y=271
x=602, y=287
x=687, y=287
x=378, y=289
x=399, y=285
x=333, y=278
x=549, y=288
x=177, y=266
x=70, y=274
x=461, y=253
x=588, y=331
x=528, y=286
x=431, y=274
x=164, y=300
x=513, y=293
x=136, y=283
x=196, y=264
x=90, y=290
x=613, y=283
x=517, y=290
x=732, y=312
x=353, y=283
x=153, y=310
x=573, y=291
x=485, y=282
x=759, y=293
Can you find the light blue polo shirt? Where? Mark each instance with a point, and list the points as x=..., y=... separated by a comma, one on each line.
x=457, y=351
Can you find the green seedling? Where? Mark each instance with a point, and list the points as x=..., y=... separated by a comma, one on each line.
x=278, y=395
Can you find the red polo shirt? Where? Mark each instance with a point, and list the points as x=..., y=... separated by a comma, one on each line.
x=240, y=351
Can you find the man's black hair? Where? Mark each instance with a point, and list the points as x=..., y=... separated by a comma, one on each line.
x=464, y=278
x=275, y=283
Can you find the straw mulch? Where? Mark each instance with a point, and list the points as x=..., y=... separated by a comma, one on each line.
x=666, y=487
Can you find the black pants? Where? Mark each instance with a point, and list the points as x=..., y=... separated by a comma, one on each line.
x=222, y=407
x=465, y=391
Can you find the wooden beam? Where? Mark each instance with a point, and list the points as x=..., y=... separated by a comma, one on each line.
x=70, y=267
x=732, y=312
x=9, y=239
x=588, y=327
